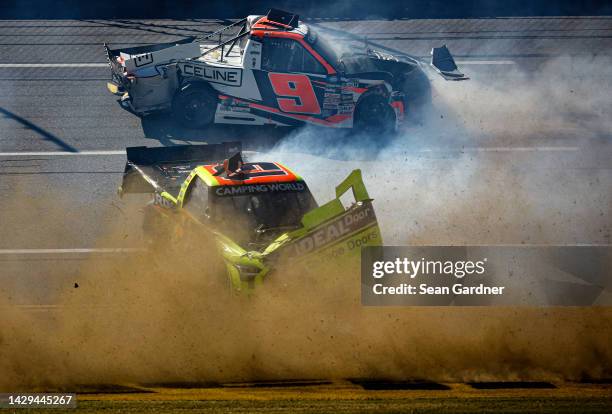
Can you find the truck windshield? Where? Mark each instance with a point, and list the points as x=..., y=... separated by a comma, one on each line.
x=269, y=211
x=322, y=45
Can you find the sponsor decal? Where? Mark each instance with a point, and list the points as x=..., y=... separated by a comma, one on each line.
x=232, y=108
x=349, y=222
x=160, y=200
x=239, y=109
x=332, y=101
x=236, y=190
x=144, y=59
x=224, y=76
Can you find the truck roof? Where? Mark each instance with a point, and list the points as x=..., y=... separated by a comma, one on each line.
x=264, y=24
x=250, y=173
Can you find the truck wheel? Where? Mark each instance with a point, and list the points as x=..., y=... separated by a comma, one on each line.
x=194, y=106
x=374, y=115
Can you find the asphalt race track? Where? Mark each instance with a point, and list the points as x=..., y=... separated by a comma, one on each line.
x=519, y=154
x=62, y=137
x=62, y=134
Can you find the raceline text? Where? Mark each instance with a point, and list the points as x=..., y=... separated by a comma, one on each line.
x=234, y=190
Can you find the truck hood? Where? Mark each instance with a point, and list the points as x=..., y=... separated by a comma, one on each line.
x=375, y=64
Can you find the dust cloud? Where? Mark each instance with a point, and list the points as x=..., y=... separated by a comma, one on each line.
x=518, y=156
x=164, y=316
x=167, y=314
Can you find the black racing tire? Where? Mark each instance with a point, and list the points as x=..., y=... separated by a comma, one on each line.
x=374, y=115
x=194, y=105
x=417, y=91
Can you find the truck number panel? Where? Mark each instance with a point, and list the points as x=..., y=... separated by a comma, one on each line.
x=295, y=93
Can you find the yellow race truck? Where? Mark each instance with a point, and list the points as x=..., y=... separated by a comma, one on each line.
x=257, y=213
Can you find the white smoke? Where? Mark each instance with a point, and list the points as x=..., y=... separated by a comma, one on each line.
x=437, y=183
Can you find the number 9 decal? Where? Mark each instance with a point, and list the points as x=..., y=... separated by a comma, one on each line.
x=296, y=92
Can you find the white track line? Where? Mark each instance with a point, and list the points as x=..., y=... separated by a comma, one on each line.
x=485, y=62
x=41, y=308
x=71, y=251
x=59, y=153
x=467, y=149
x=499, y=149
x=53, y=65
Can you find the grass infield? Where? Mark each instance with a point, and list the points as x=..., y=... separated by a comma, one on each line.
x=346, y=397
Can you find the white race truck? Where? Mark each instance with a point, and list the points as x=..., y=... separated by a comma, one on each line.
x=273, y=69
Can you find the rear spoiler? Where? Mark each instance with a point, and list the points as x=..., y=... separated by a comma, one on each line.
x=157, y=169
x=442, y=61
x=283, y=17
x=138, y=57
x=138, y=50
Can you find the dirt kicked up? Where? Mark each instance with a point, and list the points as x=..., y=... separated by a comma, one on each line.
x=161, y=316
x=164, y=316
